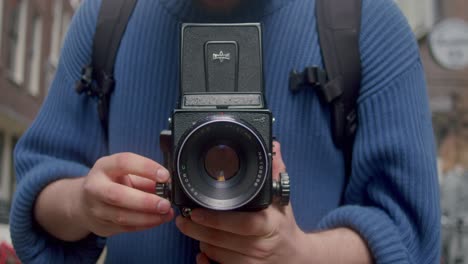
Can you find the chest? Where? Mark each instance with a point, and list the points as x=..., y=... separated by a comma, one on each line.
x=147, y=90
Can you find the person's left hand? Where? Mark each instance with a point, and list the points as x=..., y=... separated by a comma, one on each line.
x=267, y=236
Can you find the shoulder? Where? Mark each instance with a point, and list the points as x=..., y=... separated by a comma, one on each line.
x=77, y=46
x=387, y=43
x=78, y=43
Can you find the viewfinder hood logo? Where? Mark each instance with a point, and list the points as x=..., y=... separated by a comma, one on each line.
x=221, y=56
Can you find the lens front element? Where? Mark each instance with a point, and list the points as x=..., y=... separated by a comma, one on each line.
x=222, y=163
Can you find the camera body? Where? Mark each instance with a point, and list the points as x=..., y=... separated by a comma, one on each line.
x=219, y=144
x=255, y=165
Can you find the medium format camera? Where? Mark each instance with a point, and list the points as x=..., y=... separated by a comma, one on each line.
x=219, y=144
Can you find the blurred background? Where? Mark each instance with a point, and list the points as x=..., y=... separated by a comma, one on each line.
x=31, y=36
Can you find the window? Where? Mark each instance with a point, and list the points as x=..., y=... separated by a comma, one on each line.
x=75, y=3
x=56, y=32
x=61, y=21
x=1, y=24
x=420, y=14
x=14, y=140
x=7, y=167
x=66, y=19
x=17, y=40
x=35, y=57
x=13, y=38
x=4, y=191
x=2, y=163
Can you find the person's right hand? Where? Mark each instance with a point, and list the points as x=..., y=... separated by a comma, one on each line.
x=118, y=195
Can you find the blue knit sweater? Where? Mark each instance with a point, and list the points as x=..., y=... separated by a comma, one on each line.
x=392, y=199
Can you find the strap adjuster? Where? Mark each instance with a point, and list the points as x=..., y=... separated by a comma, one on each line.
x=332, y=90
x=95, y=86
x=315, y=76
x=311, y=76
x=107, y=84
x=351, y=123
x=86, y=80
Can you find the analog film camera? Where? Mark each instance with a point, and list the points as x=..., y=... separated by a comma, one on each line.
x=218, y=148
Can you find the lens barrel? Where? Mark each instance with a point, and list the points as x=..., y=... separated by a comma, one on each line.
x=222, y=163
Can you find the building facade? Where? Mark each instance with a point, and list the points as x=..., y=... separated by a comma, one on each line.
x=448, y=90
x=31, y=35
x=447, y=86
x=443, y=45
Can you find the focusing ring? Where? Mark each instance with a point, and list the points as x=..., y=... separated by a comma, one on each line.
x=237, y=192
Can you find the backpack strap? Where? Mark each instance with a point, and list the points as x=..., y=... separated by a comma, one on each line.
x=97, y=79
x=338, y=23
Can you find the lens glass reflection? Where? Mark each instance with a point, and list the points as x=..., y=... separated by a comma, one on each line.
x=221, y=162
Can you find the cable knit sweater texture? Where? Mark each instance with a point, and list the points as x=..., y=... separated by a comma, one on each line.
x=392, y=198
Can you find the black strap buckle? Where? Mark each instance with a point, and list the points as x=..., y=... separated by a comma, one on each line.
x=332, y=90
x=86, y=80
x=351, y=123
x=102, y=87
x=107, y=84
x=311, y=77
x=344, y=125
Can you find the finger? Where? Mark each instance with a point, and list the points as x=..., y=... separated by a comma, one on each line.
x=137, y=182
x=126, y=180
x=121, y=164
x=278, y=163
x=202, y=259
x=107, y=228
x=128, y=218
x=142, y=184
x=123, y=196
x=222, y=255
x=242, y=223
x=230, y=241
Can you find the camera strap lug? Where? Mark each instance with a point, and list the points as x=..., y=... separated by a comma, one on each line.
x=185, y=211
x=165, y=144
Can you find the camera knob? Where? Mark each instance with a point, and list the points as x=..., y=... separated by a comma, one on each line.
x=282, y=189
x=163, y=190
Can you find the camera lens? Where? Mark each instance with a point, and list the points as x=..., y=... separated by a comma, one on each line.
x=221, y=162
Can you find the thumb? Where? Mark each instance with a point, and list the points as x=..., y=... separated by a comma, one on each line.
x=278, y=164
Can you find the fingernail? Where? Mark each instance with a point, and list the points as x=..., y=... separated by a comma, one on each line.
x=167, y=217
x=203, y=259
x=163, y=206
x=162, y=175
x=197, y=216
x=179, y=221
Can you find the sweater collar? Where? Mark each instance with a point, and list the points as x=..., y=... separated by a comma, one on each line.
x=248, y=11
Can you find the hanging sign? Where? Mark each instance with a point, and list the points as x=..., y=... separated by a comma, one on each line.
x=449, y=43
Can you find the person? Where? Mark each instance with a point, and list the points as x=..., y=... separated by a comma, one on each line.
x=454, y=209
x=78, y=191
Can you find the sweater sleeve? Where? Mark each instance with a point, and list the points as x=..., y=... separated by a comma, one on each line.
x=392, y=199
x=64, y=141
